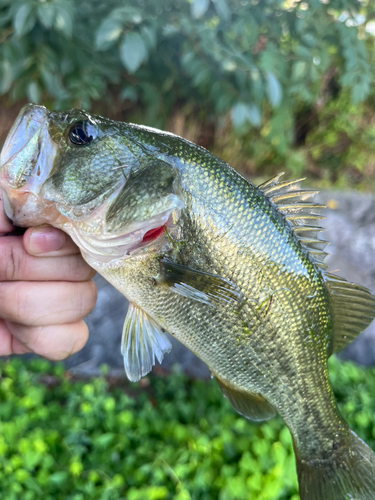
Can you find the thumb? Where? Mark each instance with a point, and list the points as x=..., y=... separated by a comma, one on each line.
x=47, y=241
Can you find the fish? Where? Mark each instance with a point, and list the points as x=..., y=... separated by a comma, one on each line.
x=233, y=271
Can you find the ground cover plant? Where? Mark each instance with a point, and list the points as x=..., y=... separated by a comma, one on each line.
x=167, y=437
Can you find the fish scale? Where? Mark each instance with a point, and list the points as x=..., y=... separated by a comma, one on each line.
x=233, y=271
x=277, y=252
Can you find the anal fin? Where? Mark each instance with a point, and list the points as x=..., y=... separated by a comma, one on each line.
x=251, y=405
x=143, y=341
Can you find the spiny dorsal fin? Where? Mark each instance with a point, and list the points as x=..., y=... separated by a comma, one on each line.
x=300, y=211
x=250, y=405
x=142, y=341
x=353, y=309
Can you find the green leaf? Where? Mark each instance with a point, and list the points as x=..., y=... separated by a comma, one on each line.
x=103, y=440
x=254, y=115
x=108, y=33
x=359, y=91
x=24, y=20
x=299, y=70
x=4, y=19
x=149, y=36
x=6, y=77
x=242, y=113
x=133, y=51
x=64, y=22
x=309, y=39
x=58, y=477
x=303, y=52
x=222, y=9
x=199, y=8
x=33, y=92
x=46, y=14
x=238, y=114
x=129, y=93
x=274, y=90
x=53, y=82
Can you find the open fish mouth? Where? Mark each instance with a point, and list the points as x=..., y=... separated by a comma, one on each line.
x=26, y=164
x=26, y=161
x=20, y=152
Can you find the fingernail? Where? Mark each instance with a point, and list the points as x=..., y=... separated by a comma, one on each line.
x=45, y=239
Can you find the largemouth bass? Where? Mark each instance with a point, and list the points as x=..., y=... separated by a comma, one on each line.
x=233, y=271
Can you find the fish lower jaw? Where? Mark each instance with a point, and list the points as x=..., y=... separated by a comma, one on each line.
x=24, y=209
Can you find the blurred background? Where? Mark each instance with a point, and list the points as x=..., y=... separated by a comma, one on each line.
x=267, y=85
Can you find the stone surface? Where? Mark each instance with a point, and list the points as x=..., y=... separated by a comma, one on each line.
x=350, y=226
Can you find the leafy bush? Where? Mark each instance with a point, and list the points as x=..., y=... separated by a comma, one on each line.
x=163, y=438
x=250, y=79
x=248, y=57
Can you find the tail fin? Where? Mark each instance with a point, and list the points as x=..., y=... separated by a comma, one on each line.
x=348, y=475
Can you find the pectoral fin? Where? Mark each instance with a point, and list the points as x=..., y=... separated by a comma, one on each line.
x=197, y=285
x=142, y=342
x=251, y=405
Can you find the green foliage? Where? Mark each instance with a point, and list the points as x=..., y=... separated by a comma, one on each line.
x=266, y=77
x=226, y=55
x=168, y=438
x=345, y=135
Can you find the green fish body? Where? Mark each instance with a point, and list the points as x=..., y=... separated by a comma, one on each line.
x=233, y=271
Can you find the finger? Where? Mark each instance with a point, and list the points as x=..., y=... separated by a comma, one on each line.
x=5, y=339
x=55, y=342
x=17, y=264
x=5, y=224
x=46, y=303
x=48, y=241
x=8, y=344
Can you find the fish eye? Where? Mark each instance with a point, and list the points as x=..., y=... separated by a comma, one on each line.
x=81, y=133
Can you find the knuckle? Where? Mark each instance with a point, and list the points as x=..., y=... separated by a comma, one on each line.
x=87, y=296
x=78, y=269
x=94, y=293
x=13, y=302
x=13, y=262
x=20, y=303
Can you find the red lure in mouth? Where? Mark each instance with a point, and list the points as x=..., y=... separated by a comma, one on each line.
x=153, y=234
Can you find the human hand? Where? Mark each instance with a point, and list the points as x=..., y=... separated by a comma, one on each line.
x=45, y=291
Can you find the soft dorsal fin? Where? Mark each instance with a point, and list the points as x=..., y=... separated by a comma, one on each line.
x=300, y=211
x=353, y=308
x=142, y=341
x=250, y=405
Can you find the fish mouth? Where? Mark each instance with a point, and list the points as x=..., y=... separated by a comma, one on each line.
x=26, y=161
x=21, y=148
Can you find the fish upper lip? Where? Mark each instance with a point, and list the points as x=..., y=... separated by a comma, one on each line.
x=23, y=134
